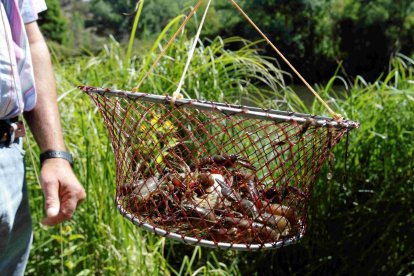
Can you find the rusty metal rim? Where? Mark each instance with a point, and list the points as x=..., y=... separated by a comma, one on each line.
x=228, y=109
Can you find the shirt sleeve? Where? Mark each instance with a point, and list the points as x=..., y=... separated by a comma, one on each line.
x=30, y=8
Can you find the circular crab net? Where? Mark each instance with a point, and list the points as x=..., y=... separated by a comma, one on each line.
x=214, y=174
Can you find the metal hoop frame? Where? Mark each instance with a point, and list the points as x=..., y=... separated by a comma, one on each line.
x=228, y=109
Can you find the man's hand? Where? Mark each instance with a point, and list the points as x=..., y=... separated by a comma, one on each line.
x=62, y=190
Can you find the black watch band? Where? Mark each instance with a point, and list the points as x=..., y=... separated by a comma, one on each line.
x=56, y=154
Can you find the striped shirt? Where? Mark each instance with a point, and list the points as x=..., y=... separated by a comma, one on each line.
x=17, y=88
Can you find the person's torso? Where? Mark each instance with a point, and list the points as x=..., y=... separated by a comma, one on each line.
x=17, y=88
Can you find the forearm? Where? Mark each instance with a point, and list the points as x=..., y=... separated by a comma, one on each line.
x=61, y=188
x=44, y=119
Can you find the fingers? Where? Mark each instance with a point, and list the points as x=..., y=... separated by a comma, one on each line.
x=52, y=201
x=69, y=200
x=67, y=208
x=62, y=190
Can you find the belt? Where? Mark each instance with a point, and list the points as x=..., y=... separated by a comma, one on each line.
x=10, y=130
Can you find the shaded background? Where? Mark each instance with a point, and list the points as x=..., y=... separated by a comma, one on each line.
x=362, y=36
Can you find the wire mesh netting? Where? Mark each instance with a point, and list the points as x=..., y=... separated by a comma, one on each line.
x=215, y=174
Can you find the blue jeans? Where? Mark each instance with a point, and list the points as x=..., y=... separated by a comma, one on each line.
x=15, y=219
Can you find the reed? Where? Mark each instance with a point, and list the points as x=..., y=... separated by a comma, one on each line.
x=354, y=218
x=98, y=240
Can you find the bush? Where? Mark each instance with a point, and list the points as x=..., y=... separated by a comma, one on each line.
x=53, y=24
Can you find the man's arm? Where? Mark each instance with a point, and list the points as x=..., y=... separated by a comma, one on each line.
x=62, y=190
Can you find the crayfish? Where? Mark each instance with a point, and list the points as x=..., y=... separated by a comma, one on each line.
x=214, y=198
x=225, y=160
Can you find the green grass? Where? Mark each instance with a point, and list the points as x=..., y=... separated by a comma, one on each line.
x=98, y=240
x=362, y=223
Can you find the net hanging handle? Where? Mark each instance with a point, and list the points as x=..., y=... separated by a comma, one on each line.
x=333, y=113
x=164, y=50
x=177, y=94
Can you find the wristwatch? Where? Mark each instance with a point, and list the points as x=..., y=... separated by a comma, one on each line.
x=56, y=154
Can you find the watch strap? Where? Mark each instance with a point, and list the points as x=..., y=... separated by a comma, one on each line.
x=56, y=154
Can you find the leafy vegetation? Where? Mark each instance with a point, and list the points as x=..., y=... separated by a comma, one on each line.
x=98, y=240
x=361, y=36
x=360, y=221
x=54, y=24
x=350, y=220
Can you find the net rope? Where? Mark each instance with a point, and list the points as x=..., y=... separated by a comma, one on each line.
x=170, y=42
x=215, y=174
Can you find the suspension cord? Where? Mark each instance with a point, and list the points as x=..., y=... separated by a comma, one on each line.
x=168, y=45
x=334, y=114
x=177, y=93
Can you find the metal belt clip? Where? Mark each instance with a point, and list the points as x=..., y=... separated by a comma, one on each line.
x=11, y=129
x=12, y=133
